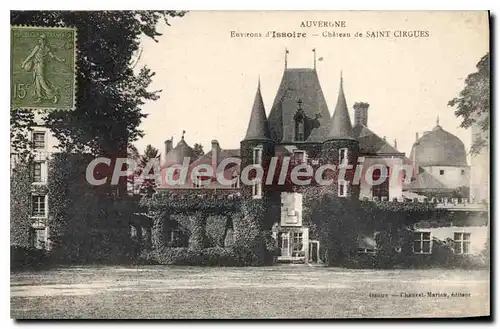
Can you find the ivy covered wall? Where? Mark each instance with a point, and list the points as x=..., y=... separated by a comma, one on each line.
x=20, y=212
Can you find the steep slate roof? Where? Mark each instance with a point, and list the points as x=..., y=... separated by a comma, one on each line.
x=340, y=127
x=222, y=154
x=371, y=143
x=303, y=84
x=258, y=127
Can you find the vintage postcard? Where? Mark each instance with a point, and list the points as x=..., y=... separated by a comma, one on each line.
x=250, y=165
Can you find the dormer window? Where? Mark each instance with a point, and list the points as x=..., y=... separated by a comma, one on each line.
x=299, y=119
x=299, y=131
x=343, y=156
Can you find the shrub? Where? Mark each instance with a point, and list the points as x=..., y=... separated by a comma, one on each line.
x=27, y=258
x=217, y=256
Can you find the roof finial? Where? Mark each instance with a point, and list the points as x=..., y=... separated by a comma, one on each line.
x=341, y=79
x=183, y=132
x=286, y=57
x=258, y=84
x=437, y=120
x=314, y=51
x=395, y=144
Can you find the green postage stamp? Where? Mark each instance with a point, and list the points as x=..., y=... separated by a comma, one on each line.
x=43, y=67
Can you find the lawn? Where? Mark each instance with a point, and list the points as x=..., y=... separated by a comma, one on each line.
x=285, y=291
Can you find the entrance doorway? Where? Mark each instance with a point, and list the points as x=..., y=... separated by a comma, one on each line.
x=314, y=251
x=284, y=243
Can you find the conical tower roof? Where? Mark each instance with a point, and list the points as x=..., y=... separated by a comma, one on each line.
x=258, y=128
x=340, y=127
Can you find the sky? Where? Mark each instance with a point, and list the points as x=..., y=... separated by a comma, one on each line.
x=209, y=79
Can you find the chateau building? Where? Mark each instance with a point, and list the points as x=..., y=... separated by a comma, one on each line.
x=299, y=126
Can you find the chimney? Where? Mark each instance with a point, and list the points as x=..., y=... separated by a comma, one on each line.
x=168, y=145
x=395, y=144
x=215, y=154
x=361, y=113
x=416, y=137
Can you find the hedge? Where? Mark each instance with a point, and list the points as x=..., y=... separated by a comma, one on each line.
x=232, y=256
x=22, y=258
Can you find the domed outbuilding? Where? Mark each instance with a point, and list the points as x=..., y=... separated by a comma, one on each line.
x=443, y=156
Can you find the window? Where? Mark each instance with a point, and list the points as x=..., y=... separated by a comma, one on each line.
x=461, y=243
x=343, y=157
x=422, y=242
x=299, y=157
x=236, y=182
x=257, y=156
x=38, y=206
x=299, y=131
x=283, y=241
x=37, y=237
x=299, y=118
x=257, y=190
x=380, y=190
x=39, y=140
x=37, y=172
x=343, y=187
x=173, y=235
x=297, y=244
x=197, y=181
x=441, y=172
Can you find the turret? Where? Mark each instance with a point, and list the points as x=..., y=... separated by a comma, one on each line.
x=257, y=147
x=341, y=149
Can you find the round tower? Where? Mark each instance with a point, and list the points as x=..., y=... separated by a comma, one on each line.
x=257, y=149
x=341, y=149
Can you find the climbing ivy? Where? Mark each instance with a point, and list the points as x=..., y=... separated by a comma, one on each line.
x=337, y=222
x=20, y=212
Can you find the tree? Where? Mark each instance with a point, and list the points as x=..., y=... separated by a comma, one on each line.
x=198, y=149
x=132, y=152
x=109, y=92
x=473, y=103
x=147, y=186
